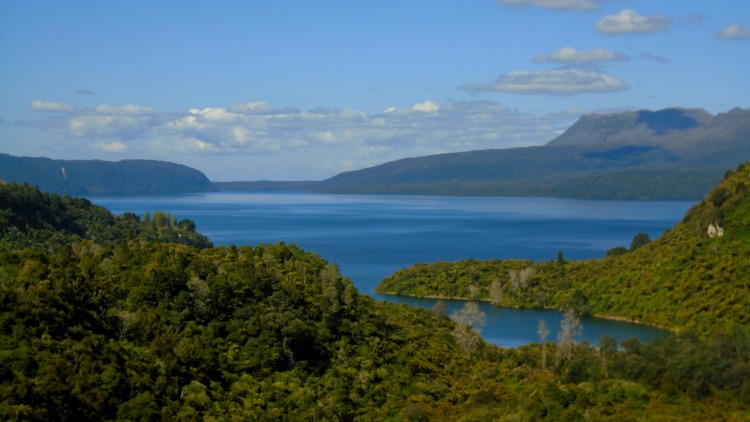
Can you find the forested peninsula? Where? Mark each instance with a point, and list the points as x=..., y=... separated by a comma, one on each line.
x=106, y=317
x=695, y=276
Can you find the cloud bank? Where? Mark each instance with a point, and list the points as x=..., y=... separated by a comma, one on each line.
x=630, y=22
x=551, y=82
x=292, y=144
x=735, y=32
x=571, y=55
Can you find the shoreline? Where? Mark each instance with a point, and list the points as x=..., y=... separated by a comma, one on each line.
x=602, y=316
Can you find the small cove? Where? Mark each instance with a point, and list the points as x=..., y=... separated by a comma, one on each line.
x=369, y=237
x=509, y=327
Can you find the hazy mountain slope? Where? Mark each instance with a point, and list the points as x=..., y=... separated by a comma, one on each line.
x=635, y=127
x=688, y=278
x=100, y=177
x=691, y=144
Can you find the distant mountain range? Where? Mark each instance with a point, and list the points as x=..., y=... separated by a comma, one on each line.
x=668, y=154
x=675, y=153
x=77, y=177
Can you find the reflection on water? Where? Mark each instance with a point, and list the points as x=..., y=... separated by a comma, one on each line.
x=510, y=327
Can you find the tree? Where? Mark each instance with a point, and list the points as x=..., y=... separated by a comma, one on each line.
x=496, y=291
x=570, y=328
x=639, y=240
x=473, y=292
x=470, y=321
x=470, y=315
x=619, y=250
x=439, y=310
x=520, y=279
x=467, y=338
x=543, y=331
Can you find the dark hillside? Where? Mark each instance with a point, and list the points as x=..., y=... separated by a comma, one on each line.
x=632, y=127
x=674, y=154
x=30, y=218
x=81, y=177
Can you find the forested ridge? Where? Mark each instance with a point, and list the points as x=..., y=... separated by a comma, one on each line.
x=31, y=218
x=696, y=275
x=113, y=323
x=78, y=177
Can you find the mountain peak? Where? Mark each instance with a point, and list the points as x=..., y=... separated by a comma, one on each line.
x=642, y=124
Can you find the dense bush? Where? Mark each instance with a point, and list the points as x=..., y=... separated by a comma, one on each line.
x=110, y=328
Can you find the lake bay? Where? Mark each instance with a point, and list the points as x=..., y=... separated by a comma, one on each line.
x=371, y=236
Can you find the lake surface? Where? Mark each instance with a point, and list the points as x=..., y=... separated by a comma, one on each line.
x=372, y=236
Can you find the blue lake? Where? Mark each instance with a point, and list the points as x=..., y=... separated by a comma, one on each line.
x=372, y=236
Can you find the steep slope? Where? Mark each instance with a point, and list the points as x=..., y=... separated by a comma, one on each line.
x=102, y=177
x=695, y=275
x=691, y=277
x=659, y=148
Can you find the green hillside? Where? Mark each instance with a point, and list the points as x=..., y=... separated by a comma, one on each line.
x=31, y=218
x=79, y=177
x=97, y=326
x=688, y=278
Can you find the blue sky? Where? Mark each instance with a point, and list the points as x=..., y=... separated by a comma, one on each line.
x=303, y=90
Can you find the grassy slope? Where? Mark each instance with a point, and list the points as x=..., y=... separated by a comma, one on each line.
x=683, y=279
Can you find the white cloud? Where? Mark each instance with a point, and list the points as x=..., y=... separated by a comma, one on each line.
x=586, y=5
x=168, y=146
x=571, y=55
x=106, y=122
x=552, y=82
x=251, y=107
x=286, y=139
x=735, y=32
x=427, y=107
x=56, y=106
x=217, y=115
x=128, y=109
x=111, y=147
x=630, y=22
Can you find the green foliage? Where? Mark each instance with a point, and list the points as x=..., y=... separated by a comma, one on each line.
x=691, y=277
x=30, y=218
x=154, y=330
x=128, y=329
x=639, y=240
x=619, y=250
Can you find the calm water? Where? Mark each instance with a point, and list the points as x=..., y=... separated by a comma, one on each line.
x=372, y=236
